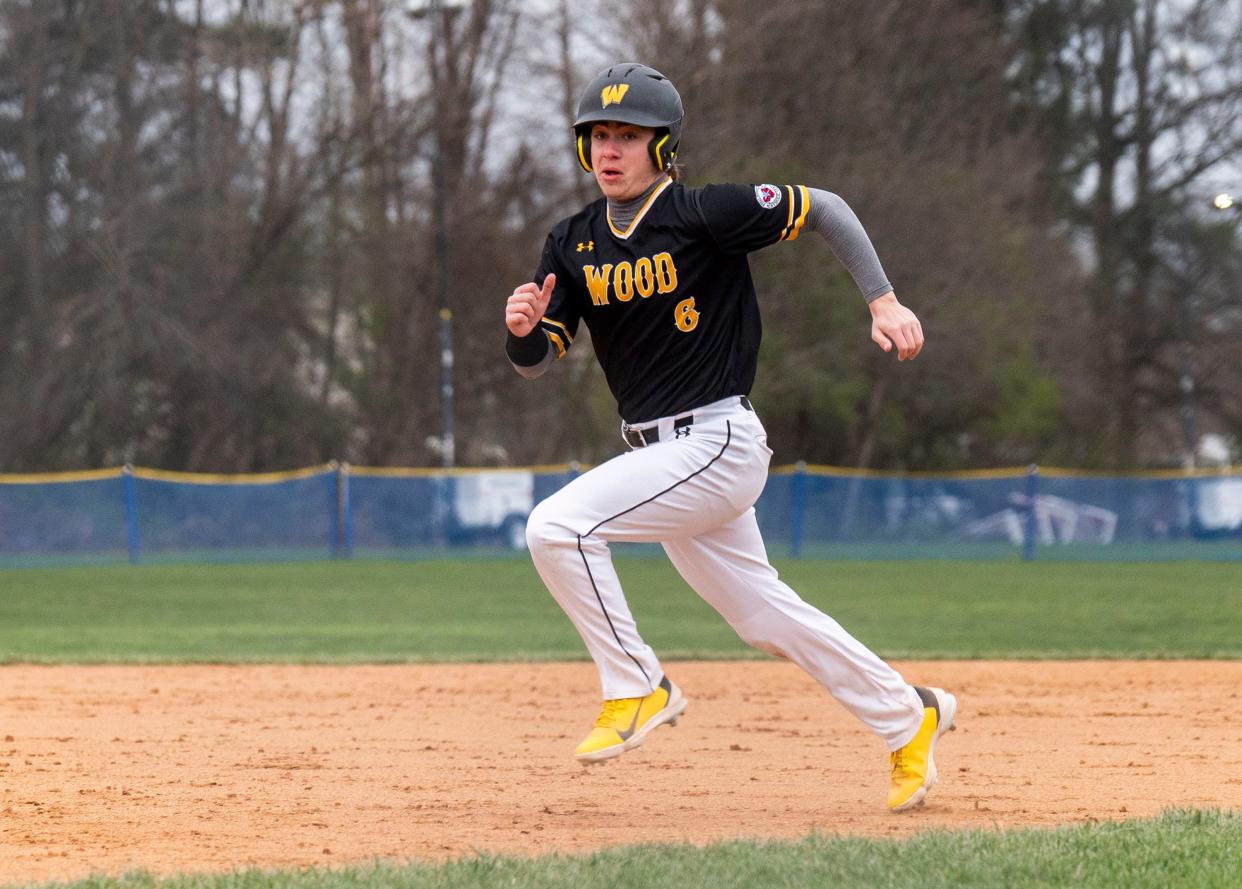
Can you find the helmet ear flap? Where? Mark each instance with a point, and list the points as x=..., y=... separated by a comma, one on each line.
x=582, y=143
x=662, y=154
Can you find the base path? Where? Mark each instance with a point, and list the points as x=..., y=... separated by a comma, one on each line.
x=215, y=768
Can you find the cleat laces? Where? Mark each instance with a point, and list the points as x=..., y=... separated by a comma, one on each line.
x=612, y=712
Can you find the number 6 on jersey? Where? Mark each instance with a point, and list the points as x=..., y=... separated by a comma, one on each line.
x=685, y=315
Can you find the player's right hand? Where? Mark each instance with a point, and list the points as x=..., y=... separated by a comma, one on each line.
x=892, y=324
x=526, y=306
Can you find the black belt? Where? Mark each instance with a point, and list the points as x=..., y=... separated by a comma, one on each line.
x=638, y=437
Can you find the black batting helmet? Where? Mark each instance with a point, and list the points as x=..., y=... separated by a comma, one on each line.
x=629, y=92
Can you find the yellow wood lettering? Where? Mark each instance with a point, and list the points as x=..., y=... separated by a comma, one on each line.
x=686, y=317
x=597, y=283
x=644, y=277
x=623, y=281
x=666, y=273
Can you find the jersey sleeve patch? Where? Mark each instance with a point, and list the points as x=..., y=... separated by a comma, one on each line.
x=768, y=196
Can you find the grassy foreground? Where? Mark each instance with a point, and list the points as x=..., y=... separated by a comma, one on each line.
x=367, y=611
x=1191, y=849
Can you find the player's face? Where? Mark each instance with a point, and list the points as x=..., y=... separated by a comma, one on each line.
x=619, y=158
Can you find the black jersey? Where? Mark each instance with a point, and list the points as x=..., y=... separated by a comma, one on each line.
x=669, y=300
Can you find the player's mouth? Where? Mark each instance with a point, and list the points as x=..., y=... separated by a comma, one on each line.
x=610, y=175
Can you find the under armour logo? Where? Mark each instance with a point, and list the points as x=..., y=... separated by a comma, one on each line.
x=683, y=432
x=589, y=245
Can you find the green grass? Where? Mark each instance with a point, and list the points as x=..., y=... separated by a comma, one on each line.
x=372, y=611
x=1194, y=850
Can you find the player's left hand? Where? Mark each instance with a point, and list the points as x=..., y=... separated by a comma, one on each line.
x=892, y=324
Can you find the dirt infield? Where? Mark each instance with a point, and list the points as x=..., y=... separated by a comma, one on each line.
x=200, y=768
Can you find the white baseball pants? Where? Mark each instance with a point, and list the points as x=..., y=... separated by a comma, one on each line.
x=693, y=491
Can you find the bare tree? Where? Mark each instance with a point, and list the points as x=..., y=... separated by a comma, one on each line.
x=1140, y=101
x=221, y=223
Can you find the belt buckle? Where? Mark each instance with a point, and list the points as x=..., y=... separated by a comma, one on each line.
x=634, y=437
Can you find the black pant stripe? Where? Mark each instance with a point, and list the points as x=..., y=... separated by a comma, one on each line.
x=607, y=616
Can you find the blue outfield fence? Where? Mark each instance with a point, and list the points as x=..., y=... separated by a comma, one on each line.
x=336, y=511
x=1047, y=513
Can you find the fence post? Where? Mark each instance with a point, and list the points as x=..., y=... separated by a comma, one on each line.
x=345, y=512
x=334, y=512
x=1028, y=537
x=798, y=509
x=129, y=491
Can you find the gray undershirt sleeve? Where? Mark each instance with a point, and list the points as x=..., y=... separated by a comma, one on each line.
x=836, y=222
x=535, y=370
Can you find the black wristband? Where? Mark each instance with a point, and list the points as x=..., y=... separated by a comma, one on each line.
x=529, y=350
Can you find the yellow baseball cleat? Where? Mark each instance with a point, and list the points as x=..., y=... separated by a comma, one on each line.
x=914, y=768
x=625, y=722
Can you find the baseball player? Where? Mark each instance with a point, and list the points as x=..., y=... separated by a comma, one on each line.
x=658, y=273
